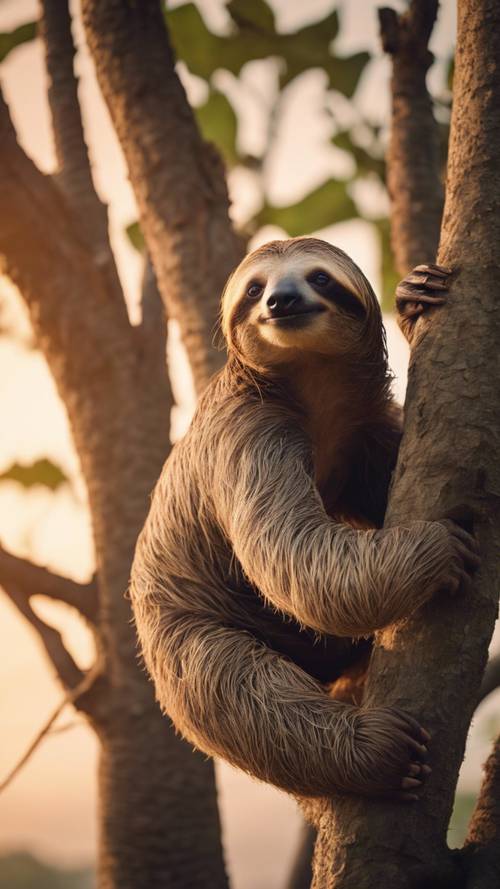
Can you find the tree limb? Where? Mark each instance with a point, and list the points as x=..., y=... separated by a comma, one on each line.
x=74, y=176
x=66, y=668
x=482, y=848
x=85, y=336
x=33, y=580
x=178, y=180
x=71, y=698
x=413, y=163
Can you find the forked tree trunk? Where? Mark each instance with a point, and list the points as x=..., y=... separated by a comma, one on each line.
x=432, y=664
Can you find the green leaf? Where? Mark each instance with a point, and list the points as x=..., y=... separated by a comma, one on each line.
x=135, y=236
x=254, y=37
x=202, y=51
x=344, y=72
x=10, y=39
x=309, y=47
x=41, y=472
x=218, y=124
x=256, y=14
x=366, y=161
x=326, y=205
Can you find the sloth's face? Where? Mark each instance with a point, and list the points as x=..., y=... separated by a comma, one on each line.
x=295, y=297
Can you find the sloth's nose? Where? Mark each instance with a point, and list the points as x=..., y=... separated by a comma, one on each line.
x=284, y=301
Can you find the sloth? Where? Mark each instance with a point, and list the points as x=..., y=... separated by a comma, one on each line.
x=262, y=572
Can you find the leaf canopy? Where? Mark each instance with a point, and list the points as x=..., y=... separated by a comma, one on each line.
x=328, y=203
x=254, y=36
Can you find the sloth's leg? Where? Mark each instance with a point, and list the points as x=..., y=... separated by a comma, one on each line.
x=424, y=287
x=236, y=698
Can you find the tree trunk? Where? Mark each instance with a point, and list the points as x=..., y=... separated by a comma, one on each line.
x=158, y=826
x=418, y=194
x=431, y=665
x=178, y=180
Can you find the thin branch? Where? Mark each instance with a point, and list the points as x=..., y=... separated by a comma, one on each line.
x=82, y=688
x=414, y=174
x=33, y=580
x=178, y=180
x=66, y=668
x=491, y=678
x=482, y=848
x=74, y=176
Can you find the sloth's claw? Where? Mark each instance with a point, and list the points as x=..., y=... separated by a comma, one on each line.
x=425, y=287
x=440, y=271
x=410, y=783
x=392, y=747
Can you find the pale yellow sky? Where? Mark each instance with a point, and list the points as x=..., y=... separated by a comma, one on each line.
x=50, y=807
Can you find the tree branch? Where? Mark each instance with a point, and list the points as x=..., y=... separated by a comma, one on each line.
x=86, y=336
x=66, y=668
x=74, y=176
x=413, y=169
x=482, y=848
x=178, y=180
x=33, y=580
x=121, y=434
x=71, y=698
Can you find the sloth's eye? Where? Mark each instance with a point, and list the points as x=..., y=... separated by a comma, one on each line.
x=321, y=279
x=254, y=290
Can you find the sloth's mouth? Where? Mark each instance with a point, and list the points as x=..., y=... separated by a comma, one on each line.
x=300, y=316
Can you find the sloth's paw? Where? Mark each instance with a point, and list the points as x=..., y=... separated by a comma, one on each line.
x=425, y=286
x=389, y=756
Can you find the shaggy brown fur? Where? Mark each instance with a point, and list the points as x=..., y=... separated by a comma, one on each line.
x=260, y=564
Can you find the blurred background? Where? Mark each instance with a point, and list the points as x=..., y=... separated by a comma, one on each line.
x=301, y=120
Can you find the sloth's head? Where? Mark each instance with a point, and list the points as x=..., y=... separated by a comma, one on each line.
x=300, y=296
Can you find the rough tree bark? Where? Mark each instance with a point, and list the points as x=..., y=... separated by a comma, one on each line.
x=432, y=664
x=159, y=824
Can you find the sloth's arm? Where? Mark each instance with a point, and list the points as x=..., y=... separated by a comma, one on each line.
x=424, y=287
x=327, y=575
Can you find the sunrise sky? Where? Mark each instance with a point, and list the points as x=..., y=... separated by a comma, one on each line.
x=50, y=808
